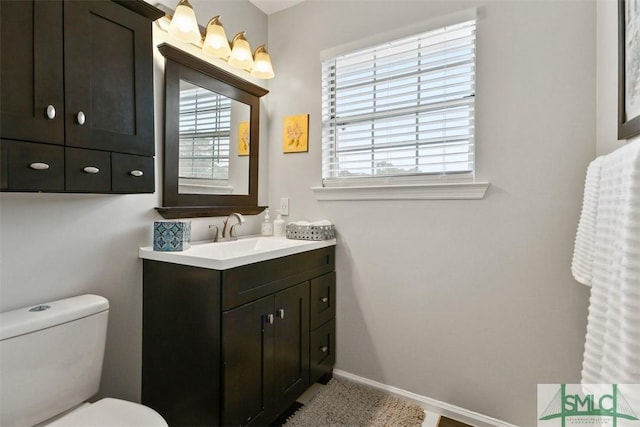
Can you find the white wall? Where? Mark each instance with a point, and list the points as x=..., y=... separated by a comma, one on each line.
x=468, y=302
x=59, y=245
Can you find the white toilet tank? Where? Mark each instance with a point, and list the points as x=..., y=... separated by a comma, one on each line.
x=50, y=358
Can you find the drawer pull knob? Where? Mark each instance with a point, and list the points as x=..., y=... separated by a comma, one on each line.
x=324, y=349
x=270, y=319
x=91, y=169
x=50, y=112
x=325, y=299
x=281, y=313
x=39, y=166
x=81, y=118
x=136, y=173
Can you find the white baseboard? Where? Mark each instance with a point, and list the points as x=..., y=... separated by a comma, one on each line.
x=429, y=404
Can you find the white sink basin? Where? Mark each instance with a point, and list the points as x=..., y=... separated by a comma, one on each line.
x=225, y=255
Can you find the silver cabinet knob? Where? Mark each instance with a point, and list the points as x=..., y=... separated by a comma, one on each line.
x=324, y=348
x=325, y=299
x=270, y=319
x=50, y=112
x=39, y=166
x=91, y=169
x=136, y=173
x=281, y=313
x=81, y=118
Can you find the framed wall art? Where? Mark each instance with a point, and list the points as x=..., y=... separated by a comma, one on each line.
x=295, y=135
x=628, y=68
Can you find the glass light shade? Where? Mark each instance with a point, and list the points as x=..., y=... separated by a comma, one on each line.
x=215, y=42
x=241, y=53
x=262, y=67
x=184, y=25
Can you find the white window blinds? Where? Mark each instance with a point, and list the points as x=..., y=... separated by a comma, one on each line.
x=402, y=108
x=205, y=127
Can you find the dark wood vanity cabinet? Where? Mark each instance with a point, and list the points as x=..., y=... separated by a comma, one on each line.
x=236, y=347
x=77, y=75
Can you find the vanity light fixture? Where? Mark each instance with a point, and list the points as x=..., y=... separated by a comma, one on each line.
x=262, y=68
x=184, y=26
x=241, y=53
x=215, y=42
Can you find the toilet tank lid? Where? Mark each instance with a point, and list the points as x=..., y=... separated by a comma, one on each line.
x=41, y=316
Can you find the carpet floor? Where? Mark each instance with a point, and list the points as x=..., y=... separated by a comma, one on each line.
x=346, y=403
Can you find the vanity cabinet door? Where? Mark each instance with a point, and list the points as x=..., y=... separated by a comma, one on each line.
x=109, y=82
x=266, y=356
x=31, y=71
x=247, y=342
x=291, y=353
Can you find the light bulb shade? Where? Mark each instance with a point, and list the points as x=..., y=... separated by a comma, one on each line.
x=262, y=67
x=184, y=25
x=241, y=53
x=215, y=42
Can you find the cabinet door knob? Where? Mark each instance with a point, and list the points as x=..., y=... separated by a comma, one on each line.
x=324, y=299
x=81, y=118
x=270, y=319
x=324, y=348
x=281, y=313
x=136, y=173
x=50, y=112
x=39, y=166
x=91, y=169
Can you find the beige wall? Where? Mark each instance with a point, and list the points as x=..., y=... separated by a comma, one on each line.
x=468, y=302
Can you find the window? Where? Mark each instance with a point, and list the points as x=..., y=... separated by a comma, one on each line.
x=401, y=110
x=205, y=128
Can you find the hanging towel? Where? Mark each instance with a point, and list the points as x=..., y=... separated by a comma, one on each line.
x=582, y=262
x=612, y=346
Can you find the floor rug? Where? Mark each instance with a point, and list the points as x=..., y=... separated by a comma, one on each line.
x=346, y=403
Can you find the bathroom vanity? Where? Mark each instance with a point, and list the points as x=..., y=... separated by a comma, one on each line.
x=234, y=332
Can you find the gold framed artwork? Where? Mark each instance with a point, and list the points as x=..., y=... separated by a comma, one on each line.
x=295, y=137
x=244, y=139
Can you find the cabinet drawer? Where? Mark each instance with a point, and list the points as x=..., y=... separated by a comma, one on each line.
x=323, y=347
x=132, y=174
x=250, y=282
x=323, y=299
x=87, y=170
x=32, y=167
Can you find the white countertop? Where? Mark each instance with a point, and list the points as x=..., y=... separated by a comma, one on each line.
x=226, y=255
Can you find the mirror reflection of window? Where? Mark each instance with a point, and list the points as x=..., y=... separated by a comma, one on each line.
x=205, y=128
x=207, y=132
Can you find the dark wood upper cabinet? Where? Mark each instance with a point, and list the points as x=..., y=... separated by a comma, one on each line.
x=108, y=64
x=31, y=71
x=78, y=74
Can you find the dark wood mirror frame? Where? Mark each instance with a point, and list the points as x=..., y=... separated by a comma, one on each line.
x=180, y=64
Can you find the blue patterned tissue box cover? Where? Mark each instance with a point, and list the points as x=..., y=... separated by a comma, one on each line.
x=171, y=235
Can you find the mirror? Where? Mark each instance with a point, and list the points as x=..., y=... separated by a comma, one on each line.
x=211, y=139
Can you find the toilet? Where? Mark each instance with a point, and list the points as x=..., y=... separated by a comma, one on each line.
x=51, y=362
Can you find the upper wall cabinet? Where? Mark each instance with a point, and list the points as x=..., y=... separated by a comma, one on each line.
x=76, y=96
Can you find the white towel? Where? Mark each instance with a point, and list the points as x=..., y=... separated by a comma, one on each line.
x=582, y=262
x=612, y=347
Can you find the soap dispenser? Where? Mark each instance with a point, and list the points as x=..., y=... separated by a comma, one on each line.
x=267, y=225
x=279, y=225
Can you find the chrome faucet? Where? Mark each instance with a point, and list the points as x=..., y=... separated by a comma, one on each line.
x=229, y=229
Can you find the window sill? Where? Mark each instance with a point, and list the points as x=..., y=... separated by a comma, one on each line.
x=431, y=191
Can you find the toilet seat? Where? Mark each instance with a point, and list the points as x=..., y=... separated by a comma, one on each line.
x=109, y=412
